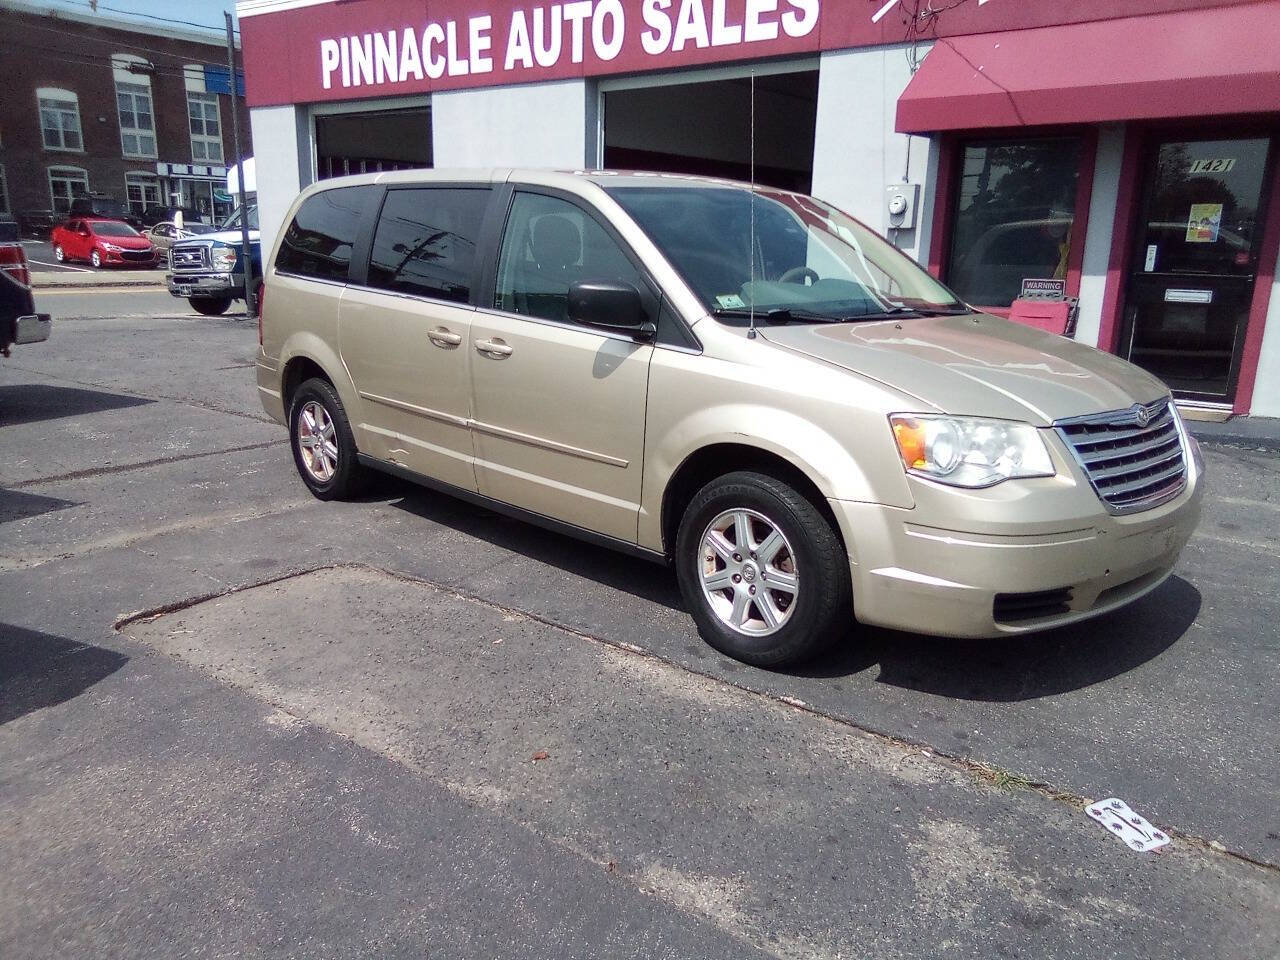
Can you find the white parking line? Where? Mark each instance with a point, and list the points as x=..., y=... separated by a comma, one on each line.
x=61, y=266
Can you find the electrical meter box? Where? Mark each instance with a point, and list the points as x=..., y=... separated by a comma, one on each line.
x=901, y=200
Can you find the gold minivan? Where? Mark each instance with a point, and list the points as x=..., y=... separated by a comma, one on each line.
x=745, y=383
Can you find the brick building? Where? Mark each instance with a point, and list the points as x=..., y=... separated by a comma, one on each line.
x=96, y=105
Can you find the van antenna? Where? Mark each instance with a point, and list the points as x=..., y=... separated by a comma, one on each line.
x=751, y=254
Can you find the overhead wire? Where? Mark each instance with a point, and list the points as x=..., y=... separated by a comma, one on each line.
x=220, y=29
x=136, y=46
x=90, y=60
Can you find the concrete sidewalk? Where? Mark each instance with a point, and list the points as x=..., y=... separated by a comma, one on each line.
x=50, y=280
x=1261, y=433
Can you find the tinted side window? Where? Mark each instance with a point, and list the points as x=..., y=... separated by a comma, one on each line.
x=425, y=243
x=319, y=240
x=550, y=244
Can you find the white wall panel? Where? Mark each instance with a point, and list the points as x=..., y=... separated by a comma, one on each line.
x=856, y=152
x=282, y=155
x=533, y=125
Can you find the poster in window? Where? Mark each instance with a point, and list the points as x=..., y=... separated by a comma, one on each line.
x=1203, y=223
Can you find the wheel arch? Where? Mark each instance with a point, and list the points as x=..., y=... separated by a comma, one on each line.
x=717, y=459
x=306, y=355
x=298, y=370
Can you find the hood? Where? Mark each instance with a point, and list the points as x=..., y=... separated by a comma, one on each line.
x=977, y=365
x=126, y=243
x=229, y=237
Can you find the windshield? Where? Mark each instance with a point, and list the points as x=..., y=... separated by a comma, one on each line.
x=197, y=228
x=107, y=228
x=800, y=254
x=233, y=222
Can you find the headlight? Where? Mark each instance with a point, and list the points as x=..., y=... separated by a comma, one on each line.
x=224, y=257
x=112, y=246
x=967, y=452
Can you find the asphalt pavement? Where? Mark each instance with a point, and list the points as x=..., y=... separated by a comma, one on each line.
x=234, y=719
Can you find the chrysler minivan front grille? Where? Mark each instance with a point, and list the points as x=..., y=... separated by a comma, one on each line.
x=1133, y=458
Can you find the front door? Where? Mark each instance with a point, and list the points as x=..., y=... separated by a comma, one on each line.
x=1196, y=258
x=82, y=245
x=558, y=408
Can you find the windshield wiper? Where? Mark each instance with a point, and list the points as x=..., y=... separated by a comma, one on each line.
x=775, y=315
x=879, y=314
x=899, y=310
x=941, y=311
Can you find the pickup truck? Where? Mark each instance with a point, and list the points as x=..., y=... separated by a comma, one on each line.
x=207, y=270
x=19, y=322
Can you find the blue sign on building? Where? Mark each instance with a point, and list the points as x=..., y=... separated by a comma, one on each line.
x=215, y=80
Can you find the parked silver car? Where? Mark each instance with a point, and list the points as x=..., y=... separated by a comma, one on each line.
x=164, y=235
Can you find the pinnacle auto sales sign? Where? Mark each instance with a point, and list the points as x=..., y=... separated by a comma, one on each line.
x=355, y=49
x=545, y=37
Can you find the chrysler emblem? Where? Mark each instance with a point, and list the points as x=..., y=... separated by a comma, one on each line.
x=1141, y=414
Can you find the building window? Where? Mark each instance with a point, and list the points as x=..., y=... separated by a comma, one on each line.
x=66, y=183
x=1012, y=216
x=206, y=128
x=137, y=121
x=141, y=191
x=60, y=119
x=4, y=193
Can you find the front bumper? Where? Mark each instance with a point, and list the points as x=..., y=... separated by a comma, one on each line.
x=913, y=570
x=187, y=285
x=114, y=258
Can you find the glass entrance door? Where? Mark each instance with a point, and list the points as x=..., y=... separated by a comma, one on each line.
x=1191, y=284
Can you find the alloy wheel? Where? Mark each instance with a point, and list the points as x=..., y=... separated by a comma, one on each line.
x=748, y=572
x=317, y=440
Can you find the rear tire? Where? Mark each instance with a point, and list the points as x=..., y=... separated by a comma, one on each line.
x=762, y=570
x=59, y=254
x=210, y=306
x=324, y=448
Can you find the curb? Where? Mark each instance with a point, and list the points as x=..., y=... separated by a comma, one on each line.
x=122, y=284
x=1248, y=442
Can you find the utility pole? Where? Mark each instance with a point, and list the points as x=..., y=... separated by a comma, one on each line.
x=245, y=257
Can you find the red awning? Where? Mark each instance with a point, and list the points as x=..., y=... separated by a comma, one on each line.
x=1203, y=62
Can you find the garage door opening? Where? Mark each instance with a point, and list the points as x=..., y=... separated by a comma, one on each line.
x=705, y=128
x=372, y=142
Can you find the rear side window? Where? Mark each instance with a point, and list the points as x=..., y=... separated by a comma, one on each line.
x=319, y=240
x=425, y=243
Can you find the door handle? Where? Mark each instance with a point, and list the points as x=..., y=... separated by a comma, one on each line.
x=494, y=348
x=444, y=337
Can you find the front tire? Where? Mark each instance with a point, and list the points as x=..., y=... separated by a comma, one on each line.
x=210, y=306
x=324, y=448
x=95, y=258
x=59, y=254
x=762, y=570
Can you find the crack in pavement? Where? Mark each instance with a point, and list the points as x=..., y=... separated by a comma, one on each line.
x=142, y=465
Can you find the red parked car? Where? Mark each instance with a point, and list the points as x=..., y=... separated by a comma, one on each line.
x=103, y=242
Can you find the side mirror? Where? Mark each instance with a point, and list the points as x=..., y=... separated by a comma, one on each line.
x=610, y=305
